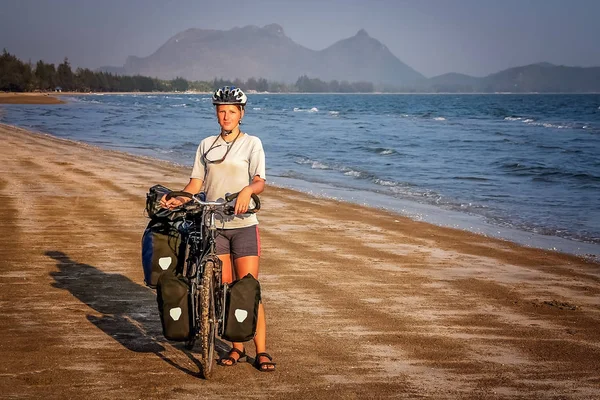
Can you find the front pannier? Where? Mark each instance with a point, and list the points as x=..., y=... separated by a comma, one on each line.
x=241, y=309
x=163, y=250
x=174, y=307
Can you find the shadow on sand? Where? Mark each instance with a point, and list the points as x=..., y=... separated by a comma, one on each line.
x=129, y=311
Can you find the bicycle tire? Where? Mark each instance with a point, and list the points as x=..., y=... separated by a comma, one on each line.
x=207, y=320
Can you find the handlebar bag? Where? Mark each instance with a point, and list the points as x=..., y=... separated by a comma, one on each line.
x=163, y=250
x=241, y=309
x=174, y=306
x=153, y=208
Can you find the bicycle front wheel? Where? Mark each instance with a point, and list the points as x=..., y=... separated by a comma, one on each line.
x=207, y=319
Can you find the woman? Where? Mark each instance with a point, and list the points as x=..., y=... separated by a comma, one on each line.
x=232, y=162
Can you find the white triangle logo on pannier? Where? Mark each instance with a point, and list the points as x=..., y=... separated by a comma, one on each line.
x=175, y=313
x=164, y=262
x=241, y=315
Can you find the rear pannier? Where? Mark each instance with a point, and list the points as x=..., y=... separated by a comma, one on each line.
x=174, y=307
x=241, y=309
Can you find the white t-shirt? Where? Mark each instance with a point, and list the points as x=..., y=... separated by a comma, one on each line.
x=245, y=160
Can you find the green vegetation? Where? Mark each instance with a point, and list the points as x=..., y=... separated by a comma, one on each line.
x=17, y=76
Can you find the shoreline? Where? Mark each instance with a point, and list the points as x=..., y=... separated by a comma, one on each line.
x=358, y=304
x=30, y=98
x=414, y=211
x=443, y=218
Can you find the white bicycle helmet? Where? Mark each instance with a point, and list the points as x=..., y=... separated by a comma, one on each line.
x=229, y=95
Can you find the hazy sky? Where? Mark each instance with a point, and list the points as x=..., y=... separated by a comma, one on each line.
x=475, y=37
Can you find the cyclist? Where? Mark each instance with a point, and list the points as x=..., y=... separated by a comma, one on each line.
x=231, y=162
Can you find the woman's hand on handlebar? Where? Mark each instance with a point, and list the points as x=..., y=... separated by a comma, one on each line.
x=173, y=202
x=242, y=202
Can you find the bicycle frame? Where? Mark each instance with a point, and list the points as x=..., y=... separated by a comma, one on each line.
x=201, y=245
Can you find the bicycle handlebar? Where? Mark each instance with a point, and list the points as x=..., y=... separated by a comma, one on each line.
x=228, y=198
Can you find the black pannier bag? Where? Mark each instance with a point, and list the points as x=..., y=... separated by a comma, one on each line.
x=174, y=307
x=241, y=309
x=163, y=249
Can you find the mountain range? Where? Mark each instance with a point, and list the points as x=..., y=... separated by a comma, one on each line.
x=251, y=51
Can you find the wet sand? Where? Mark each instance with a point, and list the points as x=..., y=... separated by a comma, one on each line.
x=360, y=303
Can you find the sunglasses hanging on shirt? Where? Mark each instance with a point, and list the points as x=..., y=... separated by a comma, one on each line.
x=212, y=147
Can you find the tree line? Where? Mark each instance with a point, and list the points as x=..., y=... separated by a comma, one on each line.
x=18, y=76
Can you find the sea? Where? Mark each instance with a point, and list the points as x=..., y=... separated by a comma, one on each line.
x=522, y=167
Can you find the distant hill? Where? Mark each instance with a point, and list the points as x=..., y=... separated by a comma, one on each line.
x=541, y=77
x=362, y=58
x=452, y=82
x=544, y=77
x=250, y=51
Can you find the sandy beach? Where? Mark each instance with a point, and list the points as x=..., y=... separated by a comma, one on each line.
x=360, y=303
x=29, y=98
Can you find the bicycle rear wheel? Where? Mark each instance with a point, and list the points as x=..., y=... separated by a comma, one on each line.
x=207, y=320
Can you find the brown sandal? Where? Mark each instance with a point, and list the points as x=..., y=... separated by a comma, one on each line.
x=263, y=366
x=241, y=357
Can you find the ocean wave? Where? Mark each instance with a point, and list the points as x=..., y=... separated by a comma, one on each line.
x=356, y=174
x=347, y=171
x=313, y=164
x=470, y=178
x=161, y=150
x=311, y=110
x=548, y=174
x=384, y=151
x=551, y=125
x=82, y=99
x=561, y=149
x=383, y=182
x=439, y=119
x=185, y=146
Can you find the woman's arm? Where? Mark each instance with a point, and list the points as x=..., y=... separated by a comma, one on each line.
x=243, y=200
x=194, y=186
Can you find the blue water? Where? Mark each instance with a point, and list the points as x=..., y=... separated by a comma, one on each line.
x=524, y=163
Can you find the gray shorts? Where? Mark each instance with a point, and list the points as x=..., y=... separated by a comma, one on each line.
x=239, y=242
